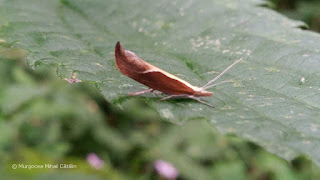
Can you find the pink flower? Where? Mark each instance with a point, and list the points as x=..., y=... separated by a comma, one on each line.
x=166, y=169
x=95, y=161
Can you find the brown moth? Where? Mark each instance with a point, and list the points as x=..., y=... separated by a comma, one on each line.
x=129, y=64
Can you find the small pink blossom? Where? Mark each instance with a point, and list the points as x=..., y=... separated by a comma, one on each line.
x=95, y=161
x=166, y=169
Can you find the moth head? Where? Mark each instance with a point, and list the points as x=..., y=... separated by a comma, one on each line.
x=203, y=93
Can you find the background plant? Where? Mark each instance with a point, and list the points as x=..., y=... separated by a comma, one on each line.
x=45, y=119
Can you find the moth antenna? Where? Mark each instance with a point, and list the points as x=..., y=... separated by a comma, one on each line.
x=217, y=84
x=222, y=73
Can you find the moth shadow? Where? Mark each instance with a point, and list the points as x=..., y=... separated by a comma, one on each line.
x=177, y=100
x=155, y=99
x=124, y=98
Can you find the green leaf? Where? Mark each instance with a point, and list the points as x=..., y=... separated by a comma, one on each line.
x=269, y=103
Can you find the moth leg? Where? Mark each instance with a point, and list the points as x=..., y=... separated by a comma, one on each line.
x=156, y=93
x=173, y=96
x=200, y=100
x=187, y=96
x=140, y=92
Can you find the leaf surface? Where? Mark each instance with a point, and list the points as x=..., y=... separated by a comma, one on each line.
x=274, y=100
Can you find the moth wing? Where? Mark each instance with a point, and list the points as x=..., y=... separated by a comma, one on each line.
x=134, y=67
x=165, y=83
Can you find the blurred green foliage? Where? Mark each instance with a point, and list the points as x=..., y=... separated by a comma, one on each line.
x=304, y=10
x=45, y=120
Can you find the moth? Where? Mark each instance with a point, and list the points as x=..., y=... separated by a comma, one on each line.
x=131, y=65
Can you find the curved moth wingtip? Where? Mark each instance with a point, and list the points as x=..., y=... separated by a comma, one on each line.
x=118, y=46
x=119, y=49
